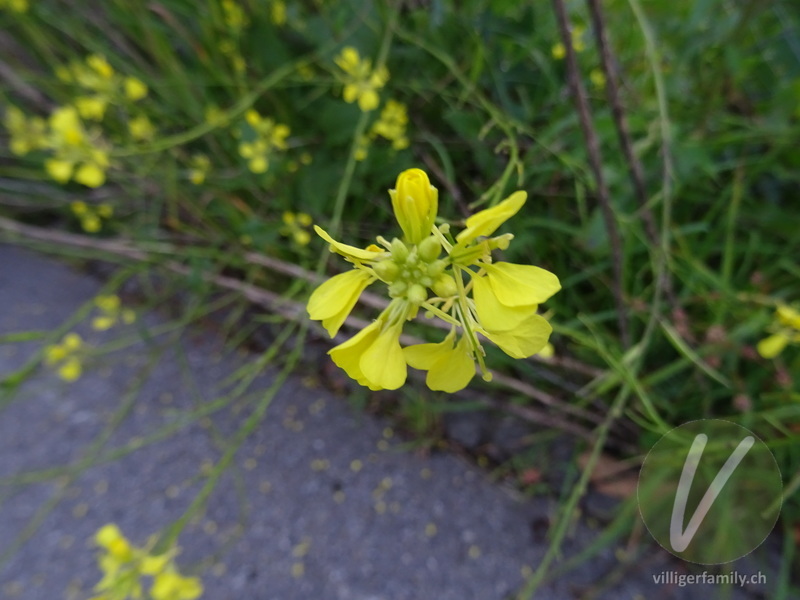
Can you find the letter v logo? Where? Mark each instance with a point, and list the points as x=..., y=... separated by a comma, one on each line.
x=679, y=539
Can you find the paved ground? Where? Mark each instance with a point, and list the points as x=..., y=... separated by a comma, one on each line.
x=322, y=502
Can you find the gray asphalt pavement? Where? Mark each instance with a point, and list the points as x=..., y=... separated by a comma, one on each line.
x=322, y=502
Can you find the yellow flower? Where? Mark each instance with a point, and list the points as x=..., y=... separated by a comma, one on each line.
x=392, y=124
x=234, y=15
x=170, y=585
x=502, y=309
x=415, y=202
x=27, y=134
x=64, y=357
x=91, y=218
x=598, y=78
x=558, y=51
x=361, y=82
x=111, y=310
x=75, y=154
x=141, y=128
x=268, y=137
x=91, y=107
x=200, y=166
x=135, y=89
x=786, y=326
x=295, y=226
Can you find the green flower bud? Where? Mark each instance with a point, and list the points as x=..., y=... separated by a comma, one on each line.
x=399, y=251
x=397, y=289
x=445, y=286
x=429, y=249
x=417, y=294
x=436, y=268
x=386, y=270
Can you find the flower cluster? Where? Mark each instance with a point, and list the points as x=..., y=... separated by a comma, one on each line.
x=559, y=51
x=361, y=82
x=65, y=357
x=786, y=330
x=111, y=313
x=200, y=164
x=91, y=218
x=391, y=125
x=101, y=84
x=479, y=298
x=76, y=153
x=261, y=140
x=295, y=226
x=123, y=566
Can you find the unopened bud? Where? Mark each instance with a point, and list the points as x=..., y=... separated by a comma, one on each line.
x=417, y=294
x=429, y=249
x=397, y=289
x=445, y=286
x=436, y=268
x=399, y=251
x=386, y=270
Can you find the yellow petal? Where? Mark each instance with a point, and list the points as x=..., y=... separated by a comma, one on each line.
x=108, y=534
x=72, y=341
x=382, y=363
x=521, y=285
x=528, y=338
x=332, y=301
x=788, y=316
x=346, y=250
x=368, y=100
x=494, y=315
x=347, y=355
x=772, y=346
x=449, y=368
x=152, y=565
x=350, y=93
x=486, y=222
x=54, y=354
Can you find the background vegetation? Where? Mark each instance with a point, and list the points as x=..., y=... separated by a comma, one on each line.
x=673, y=256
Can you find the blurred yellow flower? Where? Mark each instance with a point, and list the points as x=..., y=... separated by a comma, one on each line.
x=169, y=585
x=200, y=165
x=91, y=218
x=278, y=12
x=296, y=226
x=268, y=137
x=135, y=89
x=361, y=82
x=234, y=15
x=27, y=133
x=111, y=313
x=65, y=357
x=141, y=128
x=598, y=78
x=559, y=51
x=786, y=328
x=75, y=155
x=19, y=6
x=392, y=124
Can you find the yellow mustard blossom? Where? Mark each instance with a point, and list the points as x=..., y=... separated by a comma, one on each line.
x=76, y=155
x=91, y=218
x=498, y=301
x=215, y=116
x=296, y=226
x=200, y=165
x=392, y=124
x=361, y=82
x=265, y=137
x=111, y=313
x=578, y=44
x=103, y=86
x=19, y=6
x=786, y=328
x=65, y=357
x=141, y=128
x=123, y=566
x=27, y=133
